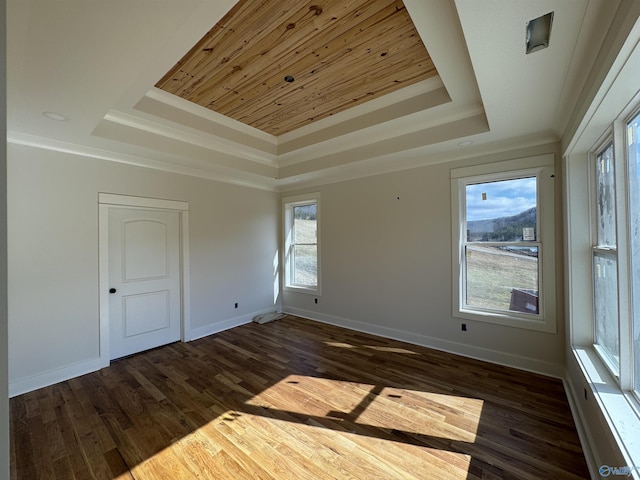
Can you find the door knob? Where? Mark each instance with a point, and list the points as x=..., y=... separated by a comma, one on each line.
x=112, y=290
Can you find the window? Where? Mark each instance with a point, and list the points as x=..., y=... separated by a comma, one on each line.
x=605, y=261
x=615, y=196
x=503, y=215
x=301, y=249
x=501, y=253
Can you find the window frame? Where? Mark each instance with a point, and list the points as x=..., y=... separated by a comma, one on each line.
x=614, y=391
x=542, y=167
x=288, y=204
x=627, y=346
x=606, y=250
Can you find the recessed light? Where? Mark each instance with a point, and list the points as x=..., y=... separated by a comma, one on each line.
x=289, y=79
x=58, y=117
x=466, y=143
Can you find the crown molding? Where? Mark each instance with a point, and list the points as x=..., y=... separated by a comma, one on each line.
x=213, y=173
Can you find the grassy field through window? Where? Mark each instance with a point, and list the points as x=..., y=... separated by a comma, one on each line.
x=492, y=273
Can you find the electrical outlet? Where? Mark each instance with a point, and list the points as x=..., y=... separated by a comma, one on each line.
x=236, y=305
x=464, y=327
x=315, y=300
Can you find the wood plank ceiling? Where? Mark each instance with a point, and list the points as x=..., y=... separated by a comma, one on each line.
x=338, y=53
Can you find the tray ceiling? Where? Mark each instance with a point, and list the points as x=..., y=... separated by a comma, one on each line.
x=380, y=105
x=335, y=55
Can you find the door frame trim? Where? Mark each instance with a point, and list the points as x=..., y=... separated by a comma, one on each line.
x=109, y=200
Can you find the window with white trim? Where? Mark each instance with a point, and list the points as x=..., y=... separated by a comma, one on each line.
x=605, y=260
x=301, y=243
x=616, y=252
x=503, y=233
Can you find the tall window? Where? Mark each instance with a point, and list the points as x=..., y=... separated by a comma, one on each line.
x=633, y=154
x=301, y=249
x=501, y=249
x=605, y=261
x=616, y=253
x=501, y=227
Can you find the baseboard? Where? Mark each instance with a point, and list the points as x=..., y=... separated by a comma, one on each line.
x=55, y=376
x=225, y=325
x=478, y=353
x=584, y=434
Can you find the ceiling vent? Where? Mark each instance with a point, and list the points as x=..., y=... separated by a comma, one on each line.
x=538, y=33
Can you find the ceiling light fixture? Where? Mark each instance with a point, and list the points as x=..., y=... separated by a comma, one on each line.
x=55, y=116
x=465, y=143
x=538, y=33
x=289, y=79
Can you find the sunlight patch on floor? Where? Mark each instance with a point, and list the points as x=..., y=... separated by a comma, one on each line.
x=411, y=411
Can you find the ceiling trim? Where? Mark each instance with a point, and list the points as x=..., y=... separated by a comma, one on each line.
x=409, y=124
x=408, y=141
x=182, y=151
x=191, y=136
x=610, y=85
x=212, y=172
x=424, y=157
x=338, y=127
x=407, y=93
x=184, y=112
x=420, y=97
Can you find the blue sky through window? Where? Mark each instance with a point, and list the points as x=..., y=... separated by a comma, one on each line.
x=504, y=198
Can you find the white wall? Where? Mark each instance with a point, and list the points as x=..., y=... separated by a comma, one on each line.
x=53, y=254
x=386, y=268
x=4, y=399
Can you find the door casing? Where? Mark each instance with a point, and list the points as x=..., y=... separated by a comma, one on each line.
x=108, y=200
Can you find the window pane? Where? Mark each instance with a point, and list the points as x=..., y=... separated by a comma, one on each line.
x=634, y=228
x=502, y=278
x=503, y=211
x=606, y=306
x=305, y=265
x=606, y=211
x=304, y=224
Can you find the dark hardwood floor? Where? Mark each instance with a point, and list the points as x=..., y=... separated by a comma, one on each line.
x=296, y=399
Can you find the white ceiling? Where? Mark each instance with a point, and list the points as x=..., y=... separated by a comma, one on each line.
x=96, y=62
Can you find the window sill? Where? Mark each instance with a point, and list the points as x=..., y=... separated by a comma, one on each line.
x=307, y=290
x=619, y=409
x=507, y=319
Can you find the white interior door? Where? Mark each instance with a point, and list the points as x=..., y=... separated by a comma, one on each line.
x=144, y=279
